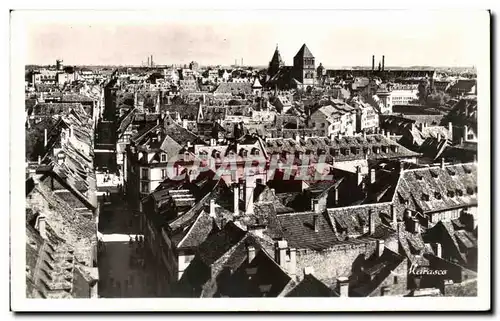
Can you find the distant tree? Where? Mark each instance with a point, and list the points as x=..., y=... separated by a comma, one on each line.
x=423, y=91
x=438, y=98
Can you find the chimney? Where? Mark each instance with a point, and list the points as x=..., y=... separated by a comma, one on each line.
x=442, y=163
x=372, y=176
x=315, y=206
x=360, y=176
x=394, y=216
x=157, y=105
x=343, y=286
x=250, y=253
x=466, y=130
x=373, y=62
x=292, y=265
x=39, y=159
x=380, y=247
x=414, y=225
x=212, y=142
x=212, y=208
x=184, y=123
x=308, y=270
x=236, y=199
x=371, y=221
x=383, y=63
x=42, y=227
x=316, y=222
x=450, y=130
x=280, y=253
x=336, y=196
x=45, y=137
x=437, y=249
x=249, y=189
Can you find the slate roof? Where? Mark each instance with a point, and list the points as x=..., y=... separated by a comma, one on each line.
x=449, y=187
x=217, y=245
x=304, y=52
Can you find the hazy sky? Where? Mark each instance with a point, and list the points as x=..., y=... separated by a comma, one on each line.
x=336, y=38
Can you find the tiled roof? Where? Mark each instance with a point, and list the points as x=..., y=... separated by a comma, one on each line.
x=198, y=232
x=217, y=245
x=310, y=286
x=234, y=88
x=352, y=219
x=435, y=188
x=298, y=229
x=79, y=231
x=365, y=145
x=379, y=268
x=53, y=109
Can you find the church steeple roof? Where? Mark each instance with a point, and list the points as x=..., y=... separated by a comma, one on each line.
x=304, y=52
x=276, y=60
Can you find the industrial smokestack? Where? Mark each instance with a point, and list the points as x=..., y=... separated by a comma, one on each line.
x=373, y=62
x=383, y=63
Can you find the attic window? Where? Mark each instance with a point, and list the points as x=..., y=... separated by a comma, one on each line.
x=366, y=150
x=467, y=170
x=385, y=149
x=470, y=190
x=376, y=149
x=460, y=192
x=353, y=150
x=451, y=172
x=346, y=151
x=256, y=152
x=163, y=157
x=394, y=148
x=434, y=174
x=418, y=177
x=425, y=197
x=243, y=152
x=451, y=194
x=437, y=195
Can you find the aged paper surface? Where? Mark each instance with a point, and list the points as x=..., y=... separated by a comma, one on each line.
x=181, y=155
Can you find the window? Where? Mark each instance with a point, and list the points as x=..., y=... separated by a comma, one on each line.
x=163, y=173
x=163, y=157
x=322, y=125
x=395, y=280
x=144, y=187
x=145, y=173
x=314, y=125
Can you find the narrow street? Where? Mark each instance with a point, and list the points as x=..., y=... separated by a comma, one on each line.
x=124, y=270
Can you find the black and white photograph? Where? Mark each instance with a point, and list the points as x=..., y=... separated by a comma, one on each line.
x=308, y=158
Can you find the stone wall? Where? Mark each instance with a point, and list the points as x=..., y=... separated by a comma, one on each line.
x=335, y=262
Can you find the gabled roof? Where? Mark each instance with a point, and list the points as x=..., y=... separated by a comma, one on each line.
x=310, y=286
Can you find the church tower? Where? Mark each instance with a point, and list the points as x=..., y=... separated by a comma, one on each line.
x=304, y=67
x=276, y=63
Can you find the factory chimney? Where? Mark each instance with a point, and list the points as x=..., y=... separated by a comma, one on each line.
x=383, y=63
x=373, y=63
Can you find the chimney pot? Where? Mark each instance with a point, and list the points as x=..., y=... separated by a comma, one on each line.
x=251, y=253
x=371, y=222
x=437, y=249
x=372, y=176
x=308, y=270
x=343, y=286
x=42, y=227
x=316, y=223
x=212, y=208
x=380, y=247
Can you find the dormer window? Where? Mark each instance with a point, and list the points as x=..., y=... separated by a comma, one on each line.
x=255, y=152
x=243, y=152
x=451, y=194
x=418, y=177
x=366, y=150
x=186, y=156
x=434, y=174
x=460, y=192
x=425, y=197
x=353, y=150
x=346, y=151
x=385, y=149
x=437, y=195
x=394, y=148
x=163, y=157
x=470, y=190
x=376, y=149
x=336, y=152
